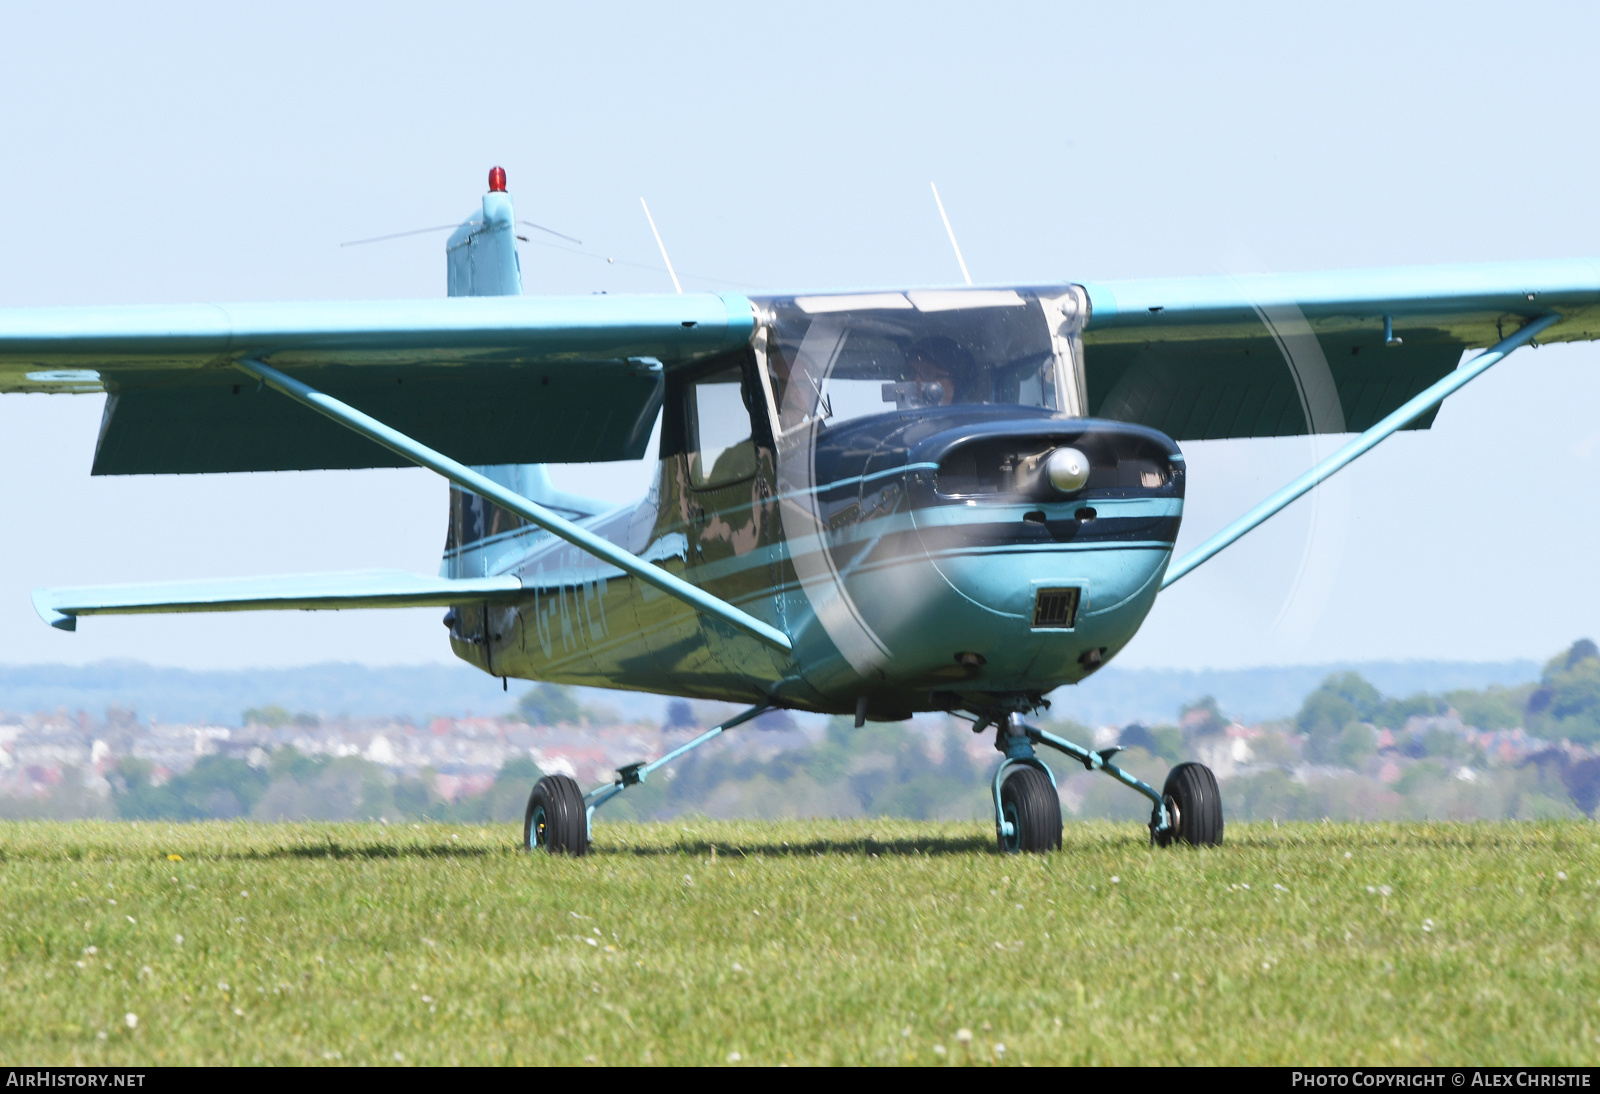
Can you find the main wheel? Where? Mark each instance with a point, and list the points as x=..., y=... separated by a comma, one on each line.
x=1028, y=800
x=1195, y=805
x=557, y=819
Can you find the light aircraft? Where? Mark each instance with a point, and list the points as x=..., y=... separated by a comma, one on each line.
x=870, y=503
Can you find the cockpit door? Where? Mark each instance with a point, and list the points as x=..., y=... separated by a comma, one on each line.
x=722, y=471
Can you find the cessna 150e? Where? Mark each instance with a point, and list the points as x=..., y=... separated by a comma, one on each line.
x=868, y=503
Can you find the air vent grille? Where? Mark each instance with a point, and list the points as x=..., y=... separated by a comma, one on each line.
x=1056, y=608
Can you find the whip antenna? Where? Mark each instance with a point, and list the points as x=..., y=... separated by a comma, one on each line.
x=398, y=235
x=552, y=231
x=663, y=247
x=952, y=233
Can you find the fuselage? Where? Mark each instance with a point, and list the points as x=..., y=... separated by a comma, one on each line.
x=868, y=477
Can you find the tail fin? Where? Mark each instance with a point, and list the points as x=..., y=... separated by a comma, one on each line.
x=481, y=258
x=482, y=253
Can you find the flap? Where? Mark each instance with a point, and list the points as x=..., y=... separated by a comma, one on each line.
x=221, y=420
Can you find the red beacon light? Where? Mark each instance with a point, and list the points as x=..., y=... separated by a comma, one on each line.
x=497, y=180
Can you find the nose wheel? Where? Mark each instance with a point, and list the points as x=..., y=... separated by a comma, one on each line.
x=1030, y=812
x=1027, y=810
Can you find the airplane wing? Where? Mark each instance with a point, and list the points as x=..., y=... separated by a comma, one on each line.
x=307, y=592
x=491, y=380
x=1265, y=356
x=495, y=380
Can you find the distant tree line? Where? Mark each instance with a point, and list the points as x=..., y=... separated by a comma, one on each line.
x=897, y=770
x=294, y=786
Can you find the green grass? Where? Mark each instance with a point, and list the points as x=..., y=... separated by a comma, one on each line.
x=803, y=942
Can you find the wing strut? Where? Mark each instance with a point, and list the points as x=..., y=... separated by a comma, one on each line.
x=468, y=479
x=1418, y=404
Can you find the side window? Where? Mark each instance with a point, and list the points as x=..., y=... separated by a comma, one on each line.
x=720, y=447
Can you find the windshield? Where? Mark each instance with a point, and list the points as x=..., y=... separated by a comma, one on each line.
x=830, y=359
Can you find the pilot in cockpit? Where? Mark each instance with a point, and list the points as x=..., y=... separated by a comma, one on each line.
x=934, y=369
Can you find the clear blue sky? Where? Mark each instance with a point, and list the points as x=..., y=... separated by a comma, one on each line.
x=210, y=153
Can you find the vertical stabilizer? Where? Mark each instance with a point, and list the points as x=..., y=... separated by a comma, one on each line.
x=482, y=253
x=481, y=258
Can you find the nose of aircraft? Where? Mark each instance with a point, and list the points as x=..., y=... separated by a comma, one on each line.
x=980, y=549
x=1038, y=547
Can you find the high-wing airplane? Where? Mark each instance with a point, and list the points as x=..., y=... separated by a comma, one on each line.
x=869, y=503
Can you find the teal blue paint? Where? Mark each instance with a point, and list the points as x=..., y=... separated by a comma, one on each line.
x=481, y=255
x=1101, y=761
x=1457, y=293
x=467, y=331
x=956, y=515
x=1015, y=736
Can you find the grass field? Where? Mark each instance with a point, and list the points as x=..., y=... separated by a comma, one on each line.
x=803, y=942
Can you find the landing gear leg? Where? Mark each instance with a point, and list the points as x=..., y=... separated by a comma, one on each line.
x=560, y=816
x=1027, y=808
x=1189, y=810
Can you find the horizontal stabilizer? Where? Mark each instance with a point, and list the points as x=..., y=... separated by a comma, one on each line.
x=306, y=592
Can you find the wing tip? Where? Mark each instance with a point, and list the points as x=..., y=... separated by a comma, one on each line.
x=43, y=603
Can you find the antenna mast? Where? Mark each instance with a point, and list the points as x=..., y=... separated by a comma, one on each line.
x=663, y=247
x=949, y=230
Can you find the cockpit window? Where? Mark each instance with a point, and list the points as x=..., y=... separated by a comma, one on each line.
x=720, y=449
x=831, y=359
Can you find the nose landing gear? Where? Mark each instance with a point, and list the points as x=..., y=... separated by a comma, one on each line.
x=1030, y=811
x=1027, y=809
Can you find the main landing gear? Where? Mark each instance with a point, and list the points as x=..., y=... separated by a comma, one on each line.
x=1027, y=809
x=560, y=815
x=1194, y=803
x=556, y=819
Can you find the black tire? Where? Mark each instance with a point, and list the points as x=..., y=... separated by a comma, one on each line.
x=556, y=819
x=1191, y=792
x=1028, y=800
